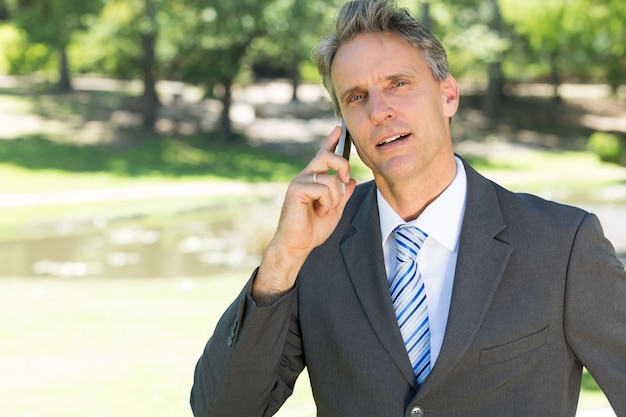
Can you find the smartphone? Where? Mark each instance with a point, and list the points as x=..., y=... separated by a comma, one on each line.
x=345, y=142
x=343, y=149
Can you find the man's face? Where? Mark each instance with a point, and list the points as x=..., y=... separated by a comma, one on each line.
x=397, y=113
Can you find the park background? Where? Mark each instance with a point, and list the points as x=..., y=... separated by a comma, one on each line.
x=145, y=146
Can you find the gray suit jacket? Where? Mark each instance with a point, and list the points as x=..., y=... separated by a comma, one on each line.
x=538, y=293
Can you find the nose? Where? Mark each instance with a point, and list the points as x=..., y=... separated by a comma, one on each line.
x=380, y=107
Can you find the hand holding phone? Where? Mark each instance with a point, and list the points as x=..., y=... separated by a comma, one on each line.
x=343, y=149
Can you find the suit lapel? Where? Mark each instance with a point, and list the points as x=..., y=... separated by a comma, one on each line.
x=362, y=252
x=480, y=264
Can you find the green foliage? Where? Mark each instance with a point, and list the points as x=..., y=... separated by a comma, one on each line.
x=207, y=43
x=111, y=46
x=608, y=147
x=218, y=37
x=293, y=30
x=581, y=39
x=53, y=22
x=229, y=42
x=21, y=56
x=465, y=31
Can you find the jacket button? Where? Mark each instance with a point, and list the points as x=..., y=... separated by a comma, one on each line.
x=416, y=411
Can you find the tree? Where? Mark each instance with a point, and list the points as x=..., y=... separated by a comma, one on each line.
x=4, y=10
x=572, y=38
x=135, y=39
x=229, y=36
x=53, y=24
x=218, y=38
x=478, y=42
x=494, y=67
x=607, y=40
x=293, y=30
x=148, y=34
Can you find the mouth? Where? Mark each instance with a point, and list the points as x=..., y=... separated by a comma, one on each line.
x=393, y=139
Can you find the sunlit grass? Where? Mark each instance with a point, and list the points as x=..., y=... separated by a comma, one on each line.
x=18, y=179
x=105, y=348
x=15, y=104
x=571, y=177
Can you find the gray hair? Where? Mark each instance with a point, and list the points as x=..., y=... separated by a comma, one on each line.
x=377, y=16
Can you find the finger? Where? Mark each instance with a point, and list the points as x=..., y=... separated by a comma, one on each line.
x=318, y=189
x=332, y=188
x=326, y=159
x=332, y=140
x=340, y=165
x=345, y=196
x=333, y=183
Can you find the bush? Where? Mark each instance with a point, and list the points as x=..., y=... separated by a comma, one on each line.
x=608, y=147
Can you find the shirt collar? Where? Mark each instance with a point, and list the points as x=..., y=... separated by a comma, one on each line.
x=441, y=220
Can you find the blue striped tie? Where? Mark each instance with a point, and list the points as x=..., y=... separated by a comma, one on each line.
x=409, y=299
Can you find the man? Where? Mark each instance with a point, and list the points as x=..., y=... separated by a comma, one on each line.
x=513, y=294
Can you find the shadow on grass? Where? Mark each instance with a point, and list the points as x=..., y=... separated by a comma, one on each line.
x=90, y=105
x=540, y=115
x=199, y=155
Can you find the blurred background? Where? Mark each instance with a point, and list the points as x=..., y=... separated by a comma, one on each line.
x=145, y=146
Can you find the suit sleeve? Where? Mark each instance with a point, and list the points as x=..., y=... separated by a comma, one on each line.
x=250, y=364
x=595, y=310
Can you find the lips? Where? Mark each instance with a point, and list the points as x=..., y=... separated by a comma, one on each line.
x=392, y=139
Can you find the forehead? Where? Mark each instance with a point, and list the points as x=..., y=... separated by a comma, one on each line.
x=371, y=57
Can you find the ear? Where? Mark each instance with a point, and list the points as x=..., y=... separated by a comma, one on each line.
x=450, y=96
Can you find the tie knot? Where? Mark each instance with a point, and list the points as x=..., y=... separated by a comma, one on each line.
x=409, y=240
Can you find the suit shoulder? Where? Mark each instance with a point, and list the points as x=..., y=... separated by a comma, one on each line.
x=530, y=208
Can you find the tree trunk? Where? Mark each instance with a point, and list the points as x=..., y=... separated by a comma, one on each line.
x=4, y=11
x=426, y=20
x=226, y=130
x=555, y=74
x=491, y=100
x=149, y=101
x=65, y=83
x=493, y=94
x=294, y=74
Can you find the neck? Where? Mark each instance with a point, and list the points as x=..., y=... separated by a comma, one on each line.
x=410, y=198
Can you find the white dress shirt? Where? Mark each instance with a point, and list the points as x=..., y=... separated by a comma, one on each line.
x=441, y=221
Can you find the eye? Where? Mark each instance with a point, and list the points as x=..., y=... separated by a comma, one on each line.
x=399, y=83
x=354, y=98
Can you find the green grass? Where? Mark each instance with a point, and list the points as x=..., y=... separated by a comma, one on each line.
x=45, y=160
x=104, y=348
x=16, y=105
x=43, y=164
x=566, y=176
x=120, y=348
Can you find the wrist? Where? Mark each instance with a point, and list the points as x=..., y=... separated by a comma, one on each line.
x=277, y=274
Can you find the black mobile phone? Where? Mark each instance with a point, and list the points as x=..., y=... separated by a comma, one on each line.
x=345, y=142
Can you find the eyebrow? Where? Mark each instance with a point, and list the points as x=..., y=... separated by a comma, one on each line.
x=350, y=91
x=390, y=77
